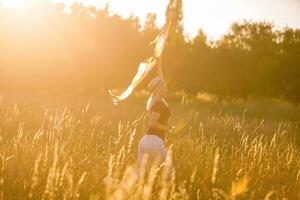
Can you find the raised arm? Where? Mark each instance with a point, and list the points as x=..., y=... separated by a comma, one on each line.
x=159, y=69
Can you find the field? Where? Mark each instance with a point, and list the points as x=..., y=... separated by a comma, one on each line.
x=86, y=148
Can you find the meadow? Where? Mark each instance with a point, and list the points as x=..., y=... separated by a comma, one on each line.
x=86, y=148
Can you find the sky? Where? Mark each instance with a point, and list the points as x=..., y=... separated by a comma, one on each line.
x=214, y=17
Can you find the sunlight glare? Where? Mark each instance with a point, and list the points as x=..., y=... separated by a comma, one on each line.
x=12, y=3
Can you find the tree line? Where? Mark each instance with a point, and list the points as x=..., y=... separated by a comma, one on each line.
x=45, y=48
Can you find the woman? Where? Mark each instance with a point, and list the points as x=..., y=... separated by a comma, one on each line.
x=152, y=144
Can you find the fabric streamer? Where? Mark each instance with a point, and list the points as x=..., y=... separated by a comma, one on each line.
x=160, y=41
x=144, y=67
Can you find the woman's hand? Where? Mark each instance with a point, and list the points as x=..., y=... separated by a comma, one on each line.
x=171, y=128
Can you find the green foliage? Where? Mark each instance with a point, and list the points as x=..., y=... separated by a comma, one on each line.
x=45, y=49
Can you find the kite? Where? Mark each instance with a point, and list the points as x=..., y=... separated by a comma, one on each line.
x=144, y=67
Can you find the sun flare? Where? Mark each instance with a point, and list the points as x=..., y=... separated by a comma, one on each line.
x=12, y=3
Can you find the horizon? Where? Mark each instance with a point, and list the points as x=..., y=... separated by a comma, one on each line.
x=281, y=13
x=221, y=14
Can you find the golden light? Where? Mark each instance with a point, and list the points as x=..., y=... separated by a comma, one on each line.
x=13, y=3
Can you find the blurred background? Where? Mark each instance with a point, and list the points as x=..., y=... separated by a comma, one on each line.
x=85, y=48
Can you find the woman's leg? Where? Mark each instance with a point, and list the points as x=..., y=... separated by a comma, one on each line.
x=151, y=147
x=167, y=161
x=152, y=150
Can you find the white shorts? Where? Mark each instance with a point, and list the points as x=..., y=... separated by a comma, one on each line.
x=153, y=146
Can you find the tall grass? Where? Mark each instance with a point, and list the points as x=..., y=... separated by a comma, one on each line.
x=66, y=150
